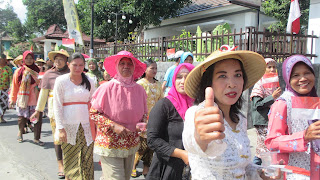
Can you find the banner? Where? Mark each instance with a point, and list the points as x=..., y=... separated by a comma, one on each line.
x=68, y=43
x=71, y=15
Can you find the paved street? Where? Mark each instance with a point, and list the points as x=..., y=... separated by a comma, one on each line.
x=27, y=161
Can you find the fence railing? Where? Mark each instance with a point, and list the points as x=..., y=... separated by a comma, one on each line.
x=269, y=44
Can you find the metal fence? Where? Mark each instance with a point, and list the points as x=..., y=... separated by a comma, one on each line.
x=269, y=44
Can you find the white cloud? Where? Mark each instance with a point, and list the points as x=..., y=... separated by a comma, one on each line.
x=18, y=8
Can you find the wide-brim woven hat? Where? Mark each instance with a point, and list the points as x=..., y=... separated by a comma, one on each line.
x=52, y=54
x=18, y=58
x=253, y=64
x=110, y=64
x=40, y=61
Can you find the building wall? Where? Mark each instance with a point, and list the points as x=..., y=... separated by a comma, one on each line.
x=314, y=24
x=237, y=16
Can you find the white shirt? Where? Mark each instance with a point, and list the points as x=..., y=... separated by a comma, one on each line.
x=69, y=117
x=225, y=159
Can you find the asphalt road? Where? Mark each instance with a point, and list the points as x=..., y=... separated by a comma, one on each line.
x=27, y=161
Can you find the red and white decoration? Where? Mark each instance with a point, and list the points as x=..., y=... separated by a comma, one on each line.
x=306, y=107
x=68, y=43
x=293, y=25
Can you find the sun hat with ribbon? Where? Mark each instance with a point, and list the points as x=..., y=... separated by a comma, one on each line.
x=110, y=64
x=253, y=64
x=52, y=54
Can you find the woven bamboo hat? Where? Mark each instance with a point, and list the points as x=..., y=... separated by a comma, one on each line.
x=253, y=63
x=52, y=54
x=19, y=58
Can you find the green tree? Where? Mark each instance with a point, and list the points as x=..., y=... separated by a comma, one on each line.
x=7, y=15
x=279, y=9
x=141, y=12
x=17, y=31
x=42, y=14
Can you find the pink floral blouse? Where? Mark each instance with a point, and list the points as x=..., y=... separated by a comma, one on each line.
x=278, y=138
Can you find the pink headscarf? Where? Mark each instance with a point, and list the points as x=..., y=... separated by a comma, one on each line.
x=180, y=101
x=121, y=100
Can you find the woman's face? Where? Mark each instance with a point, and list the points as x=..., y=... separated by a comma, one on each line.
x=60, y=61
x=151, y=71
x=126, y=67
x=29, y=60
x=92, y=66
x=76, y=66
x=271, y=68
x=189, y=59
x=302, y=79
x=106, y=76
x=227, y=82
x=180, y=79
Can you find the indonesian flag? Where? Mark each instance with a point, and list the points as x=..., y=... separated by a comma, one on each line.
x=40, y=76
x=306, y=107
x=270, y=81
x=293, y=25
x=68, y=43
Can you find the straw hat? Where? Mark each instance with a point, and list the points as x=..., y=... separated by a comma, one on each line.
x=253, y=63
x=18, y=58
x=9, y=57
x=110, y=64
x=52, y=54
x=40, y=61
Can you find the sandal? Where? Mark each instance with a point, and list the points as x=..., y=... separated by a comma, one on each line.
x=134, y=173
x=61, y=175
x=20, y=139
x=38, y=142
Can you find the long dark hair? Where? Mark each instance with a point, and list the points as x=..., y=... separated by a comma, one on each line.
x=206, y=81
x=85, y=80
x=148, y=62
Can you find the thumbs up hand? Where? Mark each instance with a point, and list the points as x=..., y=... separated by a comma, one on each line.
x=209, y=124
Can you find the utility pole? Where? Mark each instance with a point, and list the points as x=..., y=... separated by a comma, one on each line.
x=92, y=26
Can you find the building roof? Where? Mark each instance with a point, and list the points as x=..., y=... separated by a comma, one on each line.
x=54, y=32
x=6, y=38
x=202, y=5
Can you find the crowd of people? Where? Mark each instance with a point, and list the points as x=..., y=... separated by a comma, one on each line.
x=188, y=127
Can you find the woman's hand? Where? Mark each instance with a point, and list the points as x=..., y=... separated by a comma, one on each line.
x=276, y=93
x=313, y=131
x=62, y=135
x=181, y=154
x=36, y=115
x=209, y=124
x=11, y=104
x=120, y=130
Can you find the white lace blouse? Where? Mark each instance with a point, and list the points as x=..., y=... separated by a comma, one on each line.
x=69, y=117
x=225, y=159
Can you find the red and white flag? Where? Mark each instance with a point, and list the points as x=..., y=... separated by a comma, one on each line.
x=293, y=25
x=306, y=107
x=68, y=43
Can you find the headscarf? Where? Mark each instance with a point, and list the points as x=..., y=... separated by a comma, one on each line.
x=184, y=56
x=121, y=99
x=180, y=101
x=50, y=76
x=96, y=71
x=33, y=67
x=259, y=89
x=287, y=67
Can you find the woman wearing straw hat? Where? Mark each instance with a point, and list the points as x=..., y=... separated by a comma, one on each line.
x=215, y=132
x=165, y=129
x=24, y=93
x=71, y=101
x=117, y=107
x=60, y=59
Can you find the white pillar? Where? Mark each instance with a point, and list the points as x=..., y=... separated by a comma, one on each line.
x=46, y=49
x=314, y=24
